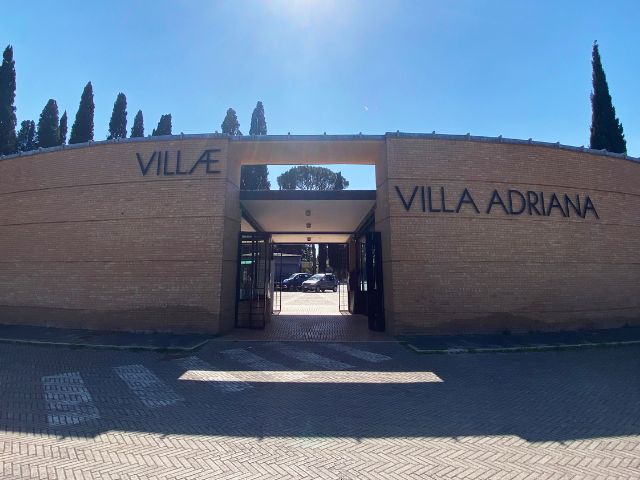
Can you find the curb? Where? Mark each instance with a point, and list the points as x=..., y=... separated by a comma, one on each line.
x=104, y=346
x=533, y=348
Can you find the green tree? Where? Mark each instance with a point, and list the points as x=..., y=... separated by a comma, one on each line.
x=337, y=255
x=322, y=257
x=230, y=124
x=26, y=139
x=48, y=126
x=8, y=119
x=606, y=129
x=335, y=252
x=82, y=129
x=258, y=122
x=118, y=122
x=256, y=177
x=63, y=129
x=308, y=177
x=164, y=126
x=138, y=125
x=340, y=183
x=309, y=255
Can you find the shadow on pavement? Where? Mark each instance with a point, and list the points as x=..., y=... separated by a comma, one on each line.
x=550, y=396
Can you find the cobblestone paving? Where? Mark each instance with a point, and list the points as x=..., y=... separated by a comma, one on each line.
x=285, y=410
x=314, y=317
x=310, y=303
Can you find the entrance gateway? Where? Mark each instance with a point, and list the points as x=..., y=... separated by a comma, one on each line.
x=479, y=234
x=270, y=218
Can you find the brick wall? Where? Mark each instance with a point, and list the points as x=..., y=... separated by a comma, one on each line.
x=470, y=272
x=88, y=241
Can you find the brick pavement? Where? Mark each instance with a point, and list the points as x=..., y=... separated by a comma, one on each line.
x=311, y=317
x=317, y=410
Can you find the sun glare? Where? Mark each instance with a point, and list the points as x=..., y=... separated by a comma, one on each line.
x=305, y=376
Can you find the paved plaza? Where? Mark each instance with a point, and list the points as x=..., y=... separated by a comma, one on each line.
x=251, y=409
x=312, y=316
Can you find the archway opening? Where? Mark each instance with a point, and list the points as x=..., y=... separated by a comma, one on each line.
x=306, y=263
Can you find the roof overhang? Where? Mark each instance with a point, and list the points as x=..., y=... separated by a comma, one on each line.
x=303, y=216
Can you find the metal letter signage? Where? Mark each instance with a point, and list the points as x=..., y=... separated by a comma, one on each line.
x=167, y=164
x=509, y=202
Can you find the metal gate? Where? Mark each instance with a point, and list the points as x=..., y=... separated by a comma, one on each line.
x=254, y=285
x=277, y=291
x=343, y=296
x=375, y=290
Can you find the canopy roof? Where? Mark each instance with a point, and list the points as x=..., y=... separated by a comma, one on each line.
x=304, y=216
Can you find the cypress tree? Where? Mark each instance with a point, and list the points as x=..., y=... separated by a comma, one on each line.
x=256, y=177
x=606, y=129
x=82, y=129
x=230, y=124
x=138, y=125
x=48, y=133
x=258, y=123
x=63, y=128
x=164, y=126
x=118, y=122
x=322, y=257
x=26, y=139
x=8, y=119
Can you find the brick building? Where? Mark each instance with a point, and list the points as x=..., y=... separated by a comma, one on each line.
x=462, y=234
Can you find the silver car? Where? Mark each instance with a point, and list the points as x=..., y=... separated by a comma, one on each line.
x=320, y=282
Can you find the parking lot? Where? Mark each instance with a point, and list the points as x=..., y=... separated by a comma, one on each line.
x=310, y=303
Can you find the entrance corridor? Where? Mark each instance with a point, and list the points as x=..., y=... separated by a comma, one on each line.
x=312, y=317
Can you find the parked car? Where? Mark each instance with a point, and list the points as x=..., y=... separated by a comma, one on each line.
x=320, y=282
x=294, y=282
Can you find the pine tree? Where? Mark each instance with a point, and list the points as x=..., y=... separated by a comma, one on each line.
x=82, y=129
x=118, y=122
x=63, y=128
x=230, y=124
x=26, y=139
x=138, y=126
x=8, y=119
x=258, y=122
x=48, y=126
x=256, y=177
x=340, y=183
x=308, y=177
x=606, y=129
x=164, y=126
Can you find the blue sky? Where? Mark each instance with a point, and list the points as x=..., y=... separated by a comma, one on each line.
x=512, y=68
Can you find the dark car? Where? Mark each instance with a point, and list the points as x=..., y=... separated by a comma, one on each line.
x=321, y=282
x=294, y=282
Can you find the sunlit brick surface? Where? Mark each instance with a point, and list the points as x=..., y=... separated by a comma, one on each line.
x=89, y=241
x=311, y=317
